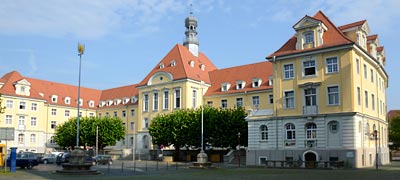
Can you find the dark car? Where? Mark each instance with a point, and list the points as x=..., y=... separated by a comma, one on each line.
x=62, y=158
x=49, y=158
x=102, y=159
x=25, y=159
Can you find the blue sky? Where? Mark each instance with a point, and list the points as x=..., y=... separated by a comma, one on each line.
x=125, y=39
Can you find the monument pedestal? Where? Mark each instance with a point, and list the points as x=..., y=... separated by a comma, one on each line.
x=77, y=165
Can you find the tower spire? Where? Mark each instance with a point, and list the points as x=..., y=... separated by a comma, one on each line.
x=191, y=41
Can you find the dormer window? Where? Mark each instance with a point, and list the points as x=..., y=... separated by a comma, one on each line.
x=110, y=102
x=134, y=99
x=80, y=102
x=308, y=39
x=91, y=103
x=54, y=98
x=270, y=80
x=161, y=65
x=22, y=89
x=240, y=84
x=225, y=87
x=67, y=100
x=256, y=82
x=125, y=100
x=173, y=63
x=203, y=67
x=191, y=63
x=102, y=103
x=117, y=101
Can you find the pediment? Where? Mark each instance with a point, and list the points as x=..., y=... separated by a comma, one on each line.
x=306, y=22
x=23, y=82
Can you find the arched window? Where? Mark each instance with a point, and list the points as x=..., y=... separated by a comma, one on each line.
x=33, y=138
x=290, y=131
x=264, y=132
x=367, y=131
x=333, y=126
x=311, y=131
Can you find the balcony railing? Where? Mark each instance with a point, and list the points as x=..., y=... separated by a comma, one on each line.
x=21, y=127
x=310, y=110
x=310, y=143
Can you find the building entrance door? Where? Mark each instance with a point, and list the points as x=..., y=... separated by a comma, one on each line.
x=310, y=160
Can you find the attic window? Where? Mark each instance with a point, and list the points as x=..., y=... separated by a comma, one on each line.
x=110, y=102
x=125, y=100
x=308, y=39
x=134, y=99
x=117, y=101
x=225, y=87
x=256, y=82
x=54, y=98
x=191, y=63
x=22, y=89
x=240, y=84
x=161, y=65
x=173, y=63
x=91, y=103
x=202, y=67
x=102, y=103
x=80, y=102
x=67, y=100
x=270, y=80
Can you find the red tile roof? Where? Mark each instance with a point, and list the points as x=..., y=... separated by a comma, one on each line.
x=182, y=70
x=47, y=89
x=120, y=93
x=354, y=24
x=245, y=73
x=372, y=37
x=380, y=48
x=332, y=37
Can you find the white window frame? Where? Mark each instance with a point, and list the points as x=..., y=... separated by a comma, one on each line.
x=255, y=100
x=304, y=67
x=224, y=103
x=67, y=113
x=146, y=102
x=292, y=98
x=34, y=106
x=33, y=138
x=22, y=105
x=9, y=104
x=9, y=119
x=311, y=131
x=21, y=120
x=34, y=121
x=53, y=112
x=239, y=102
x=155, y=101
x=67, y=100
x=256, y=82
x=132, y=125
x=263, y=132
x=330, y=67
x=288, y=73
x=165, y=100
x=240, y=84
x=311, y=97
x=53, y=124
x=177, y=98
x=194, y=98
x=337, y=94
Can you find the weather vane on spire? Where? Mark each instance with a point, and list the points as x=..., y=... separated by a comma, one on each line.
x=191, y=9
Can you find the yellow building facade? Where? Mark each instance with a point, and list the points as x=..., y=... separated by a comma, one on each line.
x=329, y=95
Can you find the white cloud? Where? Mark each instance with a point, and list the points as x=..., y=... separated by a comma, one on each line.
x=82, y=19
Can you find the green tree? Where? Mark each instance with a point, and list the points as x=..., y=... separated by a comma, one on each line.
x=183, y=128
x=394, y=132
x=111, y=130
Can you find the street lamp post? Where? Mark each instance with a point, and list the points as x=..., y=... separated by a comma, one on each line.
x=202, y=117
x=239, y=146
x=375, y=134
x=81, y=50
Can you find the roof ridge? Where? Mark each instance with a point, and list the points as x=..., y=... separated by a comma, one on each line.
x=335, y=27
x=180, y=54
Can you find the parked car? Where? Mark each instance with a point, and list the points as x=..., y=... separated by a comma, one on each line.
x=25, y=159
x=48, y=158
x=102, y=159
x=62, y=158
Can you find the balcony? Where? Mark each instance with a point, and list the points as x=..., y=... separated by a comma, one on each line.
x=310, y=110
x=310, y=143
